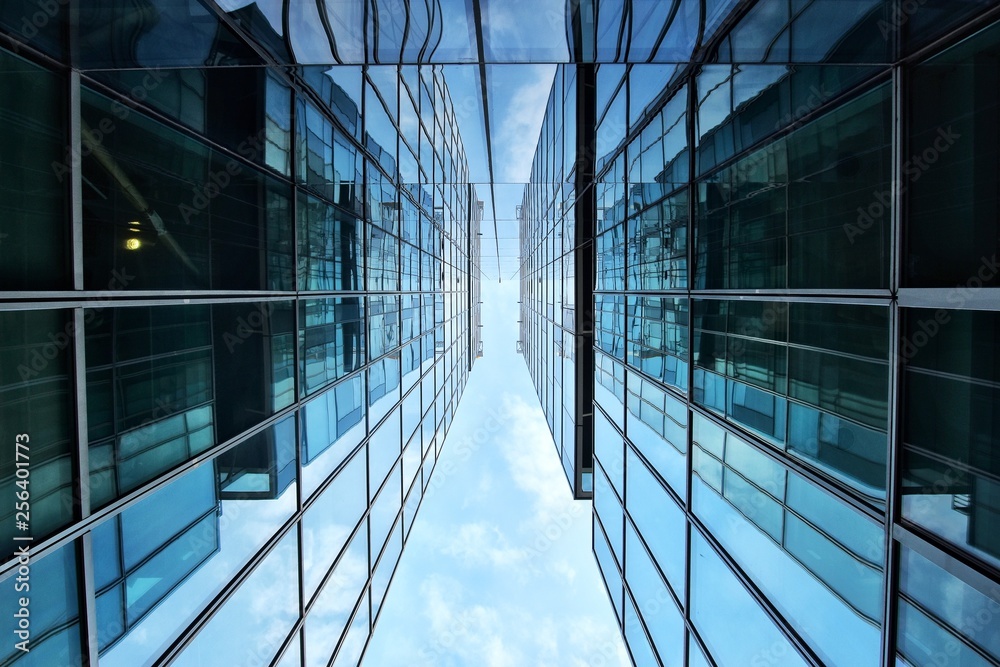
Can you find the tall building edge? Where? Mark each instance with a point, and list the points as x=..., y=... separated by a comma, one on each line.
x=239, y=305
x=795, y=307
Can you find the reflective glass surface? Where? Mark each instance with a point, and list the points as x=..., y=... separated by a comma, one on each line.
x=774, y=524
x=330, y=520
x=654, y=602
x=156, y=570
x=259, y=615
x=732, y=624
x=951, y=171
x=950, y=430
x=34, y=253
x=46, y=594
x=36, y=410
x=330, y=612
x=163, y=211
x=207, y=220
x=810, y=378
x=942, y=617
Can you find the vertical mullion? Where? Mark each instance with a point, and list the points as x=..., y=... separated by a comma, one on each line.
x=76, y=180
x=81, y=466
x=692, y=206
x=88, y=613
x=894, y=439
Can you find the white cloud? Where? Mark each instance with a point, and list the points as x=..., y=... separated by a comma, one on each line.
x=520, y=121
x=483, y=491
x=480, y=543
x=564, y=568
x=534, y=465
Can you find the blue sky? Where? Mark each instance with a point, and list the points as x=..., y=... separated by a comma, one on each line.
x=498, y=570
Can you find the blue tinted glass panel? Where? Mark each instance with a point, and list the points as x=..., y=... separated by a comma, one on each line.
x=329, y=615
x=329, y=521
x=654, y=602
x=332, y=426
x=254, y=622
x=53, y=635
x=733, y=626
x=659, y=520
x=606, y=563
x=942, y=613
x=638, y=643
x=220, y=514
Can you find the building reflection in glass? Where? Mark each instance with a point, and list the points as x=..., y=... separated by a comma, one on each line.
x=159, y=562
x=818, y=560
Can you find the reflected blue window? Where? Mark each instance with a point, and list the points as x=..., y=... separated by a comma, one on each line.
x=656, y=423
x=331, y=340
x=383, y=387
x=332, y=426
x=942, y=618
x=825, y=583
x=950, y=426
x=658, y=338
x=330, y=255
x=609, y=332
x=657, y=244
x=53, y=609
x=155, y=571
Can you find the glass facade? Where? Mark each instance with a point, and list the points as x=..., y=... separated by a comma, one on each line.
x=791, y=308
x=239, y=304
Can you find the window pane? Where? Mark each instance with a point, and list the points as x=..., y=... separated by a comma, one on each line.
x=951, y=426
x=733, y=626
x=163, y=211
x=36, y=401
x=34, y=176
x=952, y=171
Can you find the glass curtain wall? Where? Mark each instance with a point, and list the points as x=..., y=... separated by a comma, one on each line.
x=237, y=313
x=795, y=317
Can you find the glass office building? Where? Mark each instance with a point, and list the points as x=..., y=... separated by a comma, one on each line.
x=238, y=309
x=793, y=299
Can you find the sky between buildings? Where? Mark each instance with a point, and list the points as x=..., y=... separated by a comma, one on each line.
x=498, y=570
